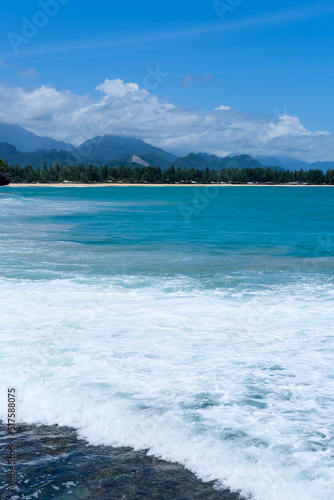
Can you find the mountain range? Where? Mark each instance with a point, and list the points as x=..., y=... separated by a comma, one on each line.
x=19, y=146
x=24, y=140
x=294, y=164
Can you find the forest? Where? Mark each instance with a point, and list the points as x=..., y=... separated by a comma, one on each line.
x=156, y=175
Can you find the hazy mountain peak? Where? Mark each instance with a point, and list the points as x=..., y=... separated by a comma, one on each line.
x=24, y=140
x=112, y=147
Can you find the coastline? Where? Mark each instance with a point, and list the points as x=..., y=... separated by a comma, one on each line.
x=69, y=185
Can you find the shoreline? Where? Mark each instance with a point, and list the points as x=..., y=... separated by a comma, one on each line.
x=125, y=184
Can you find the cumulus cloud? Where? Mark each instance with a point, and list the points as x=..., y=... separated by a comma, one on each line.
x=128, y=110
x=117, y=88
x=223, y=108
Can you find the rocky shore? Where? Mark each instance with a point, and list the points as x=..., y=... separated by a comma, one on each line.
x=5, y=178
x=53, y=462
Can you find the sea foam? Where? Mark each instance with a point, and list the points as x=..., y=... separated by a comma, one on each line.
x=237, y=384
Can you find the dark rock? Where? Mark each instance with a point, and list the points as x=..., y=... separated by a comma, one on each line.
x=5, y=176
x=58, y=464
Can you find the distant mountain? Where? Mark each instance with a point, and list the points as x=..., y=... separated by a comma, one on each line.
x=192, y=161
x=241, y=161
x=202, y=161
x=270, y=161
x=96, y=153
x=209, y=158
x=24, y=140
x=99, y=150
x=294, y=164
x=18, y=145
x=37, y=158
x=111, y=147
x=321, y=165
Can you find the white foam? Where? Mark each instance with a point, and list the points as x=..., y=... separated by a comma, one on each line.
x=238, y=387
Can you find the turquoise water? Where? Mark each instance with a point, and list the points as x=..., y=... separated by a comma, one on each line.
x=195, y=322
x=199, y=232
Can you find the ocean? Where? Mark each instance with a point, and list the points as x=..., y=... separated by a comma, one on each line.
x=185, y=325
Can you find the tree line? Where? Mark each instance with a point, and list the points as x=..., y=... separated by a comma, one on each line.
x=156, y=175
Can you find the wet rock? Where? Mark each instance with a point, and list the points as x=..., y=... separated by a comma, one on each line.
x=5, y=177
x=57, y=464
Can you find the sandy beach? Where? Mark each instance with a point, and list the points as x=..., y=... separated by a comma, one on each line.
x=67, y=184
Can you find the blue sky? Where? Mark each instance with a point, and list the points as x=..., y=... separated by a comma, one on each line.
x=264, y=60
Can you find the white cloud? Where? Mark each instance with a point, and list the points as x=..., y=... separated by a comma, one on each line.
x=126, y=109
x=117, y=88
x=28, y=73
x=223, y=108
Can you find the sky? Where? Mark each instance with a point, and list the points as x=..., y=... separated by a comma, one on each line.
x=220, y=76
